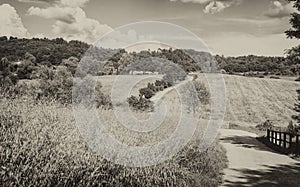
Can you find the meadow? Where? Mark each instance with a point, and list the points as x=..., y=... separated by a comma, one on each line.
x=251, y=101
x=41, y=146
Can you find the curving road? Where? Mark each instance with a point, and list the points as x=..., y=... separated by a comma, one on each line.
x=251, y=163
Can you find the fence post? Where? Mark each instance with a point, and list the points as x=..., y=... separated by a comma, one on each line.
x=280, y=139
x=268, y=134
x=290, y=139
x=297, y=143
x=284, y=140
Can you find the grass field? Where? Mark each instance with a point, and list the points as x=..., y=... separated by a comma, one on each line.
x=41, y=146
x=249, y=100
x=254, y=100
x=39, y=143
x=108, y=81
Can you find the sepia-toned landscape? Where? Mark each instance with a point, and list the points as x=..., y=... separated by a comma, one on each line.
x=87, y=104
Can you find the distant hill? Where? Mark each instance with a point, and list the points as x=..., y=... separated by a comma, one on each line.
x=29, y=54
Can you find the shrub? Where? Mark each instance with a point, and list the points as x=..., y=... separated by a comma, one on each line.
x=265, y=125
x=161, y=84
x=291, y=128
x=146, y=92
x=152, y=87
x=87, y=91
x=58, y=88
x=140, y=103
x=202, y=92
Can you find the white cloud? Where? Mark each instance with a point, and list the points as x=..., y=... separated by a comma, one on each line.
x=216, y=6
x=213, y=6
x=279, y=10
x=70, y=3
x=123, y=38
x=71, y=21
x=74, y=3
x=64, y=14
x=11, y=23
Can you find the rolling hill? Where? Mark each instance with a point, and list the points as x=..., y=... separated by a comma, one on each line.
x=249, y=100
x=253, y=100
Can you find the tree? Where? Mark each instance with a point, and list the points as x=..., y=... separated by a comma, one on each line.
x=294, y=56
x=291, y=128
x=294, y=32
x=297, y=116
x=297, y=107
x=30, y=57
x=6, y=77
x=26, y=67
x=71, y=64
x=294, y=53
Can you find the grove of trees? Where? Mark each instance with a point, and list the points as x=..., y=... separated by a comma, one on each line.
x=294, y=56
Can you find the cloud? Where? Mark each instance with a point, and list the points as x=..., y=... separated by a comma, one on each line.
x=70, y=3
x=74, y=3
x=279, y=10
x=121, y=38
x=71, y=21
x=11, y=23
x=213, y=6
x=216, y=6
x=58, y=13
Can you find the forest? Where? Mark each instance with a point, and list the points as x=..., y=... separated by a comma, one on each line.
x=26, y=56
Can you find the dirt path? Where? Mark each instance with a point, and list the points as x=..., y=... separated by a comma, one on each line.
x=253, y=164
x=158, y=96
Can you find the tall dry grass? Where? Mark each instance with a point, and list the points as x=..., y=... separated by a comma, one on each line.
x=40, y=146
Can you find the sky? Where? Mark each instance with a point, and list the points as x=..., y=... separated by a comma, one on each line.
x=228, y=27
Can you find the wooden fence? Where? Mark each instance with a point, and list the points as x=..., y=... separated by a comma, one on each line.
x=287, y=141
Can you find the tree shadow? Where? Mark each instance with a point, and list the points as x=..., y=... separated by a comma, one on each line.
x=279, y=175
x=247, y=142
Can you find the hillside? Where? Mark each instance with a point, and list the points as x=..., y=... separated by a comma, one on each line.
x=249, y=100
x=254, y=100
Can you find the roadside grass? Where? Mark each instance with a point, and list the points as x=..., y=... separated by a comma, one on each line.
x=252, y=129
x=40, y=146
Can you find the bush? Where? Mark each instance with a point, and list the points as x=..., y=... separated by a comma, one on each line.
x=265, y=125
x=87, y=91
x=140, y=103
x=202, y=92
x=59, y=88
x=161, y=84
x=152, y=87
x=291, y=128
x=146, y=92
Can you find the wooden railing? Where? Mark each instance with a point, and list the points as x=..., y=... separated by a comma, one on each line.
x=284, y=140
